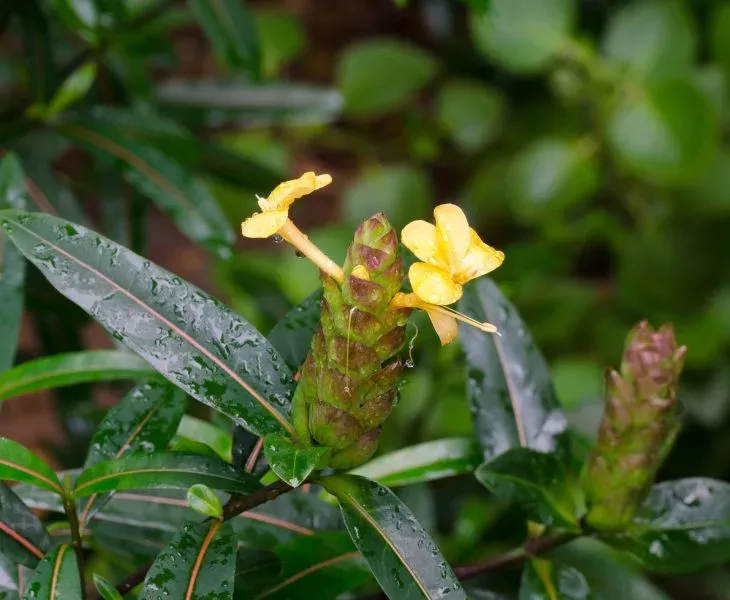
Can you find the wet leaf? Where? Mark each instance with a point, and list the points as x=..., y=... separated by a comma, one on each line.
x=205, y=501
x=186, y=200
x=160, y=471
x=293, y=334
x=23, y=538
x=12, y=264
x=70, y=369
x=290, y=462
x=324, y=566
x=508, y=381
x=402, y=556
x=144, y=421
x=204, y=432
x=106, y=589
x=231, y=29
x=681, y=527
x=192, y=339
x=56, y=577
x=546, y=580
x=428, y=461
x=200, y=562
x=537, y=482
x=17, y=463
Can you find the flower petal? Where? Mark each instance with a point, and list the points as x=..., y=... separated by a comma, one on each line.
x=479, y=260
x=265, y=224
x=445, y=325
x=285, y=193
x=454, y=231
x=433, y=284
x=422, y=238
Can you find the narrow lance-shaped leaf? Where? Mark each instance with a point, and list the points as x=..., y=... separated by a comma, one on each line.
x=73, y=89
x=537, y=482
x=402, y=556
x=293, y=334
x=186, y=200
x=200, y=562
x=159, y=471
x=324, y=566
x=683, y=526
x=508, y=382
x=423, y=462
x=70, y=369
x=230, y=27
x=23, y=538
x=17, y=463
x=56, y=577
x=192, y=339
x=106, y=590
x=12, y=264
x=546, y=580
x=143, y=421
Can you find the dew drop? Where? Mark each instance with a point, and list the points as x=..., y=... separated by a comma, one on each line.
x=277, y=239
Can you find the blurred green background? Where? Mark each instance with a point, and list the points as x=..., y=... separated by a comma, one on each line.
x=588, y=139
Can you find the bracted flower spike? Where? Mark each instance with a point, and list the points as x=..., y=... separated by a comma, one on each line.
x=452, y=254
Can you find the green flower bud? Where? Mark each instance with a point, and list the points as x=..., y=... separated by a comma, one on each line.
x=639, y=426
x=348, y=381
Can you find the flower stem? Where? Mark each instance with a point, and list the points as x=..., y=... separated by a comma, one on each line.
x=301, y=242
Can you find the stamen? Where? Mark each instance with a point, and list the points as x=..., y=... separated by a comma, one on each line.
x=412, y=301
x=482, y=326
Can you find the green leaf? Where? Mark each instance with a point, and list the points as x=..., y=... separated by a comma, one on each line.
x=106, y=590
x=81, y=16
x=546, y=580
x=428, y=461
x=12, y=264
x=719, y=37
x=56, y=577
x=523, y=35
x=143, y=421
x=655, y=38
x=17, y=463
x=161, y=471
x=200, y=562
x=185, y=199
x=551, y=176
x=324, y=566
x=665, y=133
x=402, y=192
x=70, y=369
x=508, y=381
x=683, y=526
x=204, y=501
x=204, y=432
x=192, y=339
x=38, y=45
x=282, y=39
x=23, y=538
x=293, y=333
x=381, y=75
x=231, y=29
x=470, y=112
x=402, y=556
x=537, y=482
x=73, y=89
x=609, y=575
x=292, y=463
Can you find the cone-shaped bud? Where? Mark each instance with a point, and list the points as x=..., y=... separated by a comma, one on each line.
x=348, y=381
x=640, y=423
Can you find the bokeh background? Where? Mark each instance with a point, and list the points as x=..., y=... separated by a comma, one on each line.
x=588, y=139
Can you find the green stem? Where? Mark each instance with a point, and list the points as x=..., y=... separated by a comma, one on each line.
x=72, y=517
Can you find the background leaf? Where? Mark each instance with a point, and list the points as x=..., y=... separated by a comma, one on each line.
x=201, y=346
x=292, y=334
x=159, y=471
x=428, y=461
x=401, y=554
x=17, y=463
x=199, y=563
x=23, y=538
x=508, y=382
x=106, y=590
x=543, y=579
x=204, y=432
x=70, y=369
x=56, y=577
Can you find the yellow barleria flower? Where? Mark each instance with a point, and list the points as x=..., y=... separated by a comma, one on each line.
x=275, y=208
x=452, y=254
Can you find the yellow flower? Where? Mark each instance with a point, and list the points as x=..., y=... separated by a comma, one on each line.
x=452, y=254
x=275, y=208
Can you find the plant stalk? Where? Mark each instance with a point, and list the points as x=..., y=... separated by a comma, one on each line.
x=69, y=506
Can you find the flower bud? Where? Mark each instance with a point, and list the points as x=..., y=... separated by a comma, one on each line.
x=639, y=425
